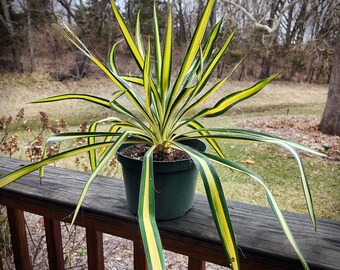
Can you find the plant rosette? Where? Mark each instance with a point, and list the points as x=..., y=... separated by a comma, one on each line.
x=168, y=113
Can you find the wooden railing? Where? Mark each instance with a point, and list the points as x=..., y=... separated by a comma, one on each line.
x=260, y=238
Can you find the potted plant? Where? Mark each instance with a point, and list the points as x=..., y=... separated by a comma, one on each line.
x=165, y=108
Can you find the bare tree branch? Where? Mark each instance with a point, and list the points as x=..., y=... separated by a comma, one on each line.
x=7, y=20
x=257, y=23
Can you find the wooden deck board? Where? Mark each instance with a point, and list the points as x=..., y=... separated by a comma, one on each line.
x=258, y=233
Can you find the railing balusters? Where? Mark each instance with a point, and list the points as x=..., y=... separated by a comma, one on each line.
x=192, y=235
x=196, y=264
x=54, y=244
x=16, y=221
x=94, y=242
x=139, y=259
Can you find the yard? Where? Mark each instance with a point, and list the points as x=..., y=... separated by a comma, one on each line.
x=285, y=109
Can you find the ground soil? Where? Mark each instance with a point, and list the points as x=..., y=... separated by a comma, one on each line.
x=299, y=128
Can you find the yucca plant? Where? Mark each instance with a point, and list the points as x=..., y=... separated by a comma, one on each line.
x=168, y=113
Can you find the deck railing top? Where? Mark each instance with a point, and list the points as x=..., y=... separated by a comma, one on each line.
x=259, y=236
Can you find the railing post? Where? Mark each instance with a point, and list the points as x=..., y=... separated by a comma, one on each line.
x=95, y=257
x=139, y=259
x=16, y=221
x=196, y=264
x=54, y=244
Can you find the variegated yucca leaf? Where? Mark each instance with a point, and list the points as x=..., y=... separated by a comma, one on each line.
x=217, y=202
x=274, y=140
x=9, y=178
x=146, y=215
x=90, y=98
x=271, y=200
x=108, y=155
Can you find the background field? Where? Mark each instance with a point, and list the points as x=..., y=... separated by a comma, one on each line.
x=288, y=109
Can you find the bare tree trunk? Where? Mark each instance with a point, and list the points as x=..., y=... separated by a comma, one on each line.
x=7, y=21
x=30, y=38
x=330, y=122
x=182, y=35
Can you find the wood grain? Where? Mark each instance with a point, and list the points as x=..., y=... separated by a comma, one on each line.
x=259, y=236
x=16, y=221
x=54, y=244
x=95, y=254
x=139, y=259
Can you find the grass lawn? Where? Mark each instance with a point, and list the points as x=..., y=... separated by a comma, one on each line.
x=275, y=165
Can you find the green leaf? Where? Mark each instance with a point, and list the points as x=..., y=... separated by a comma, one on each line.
x=106, y=157
x=217, y=203
x=112, y=59
x=282, y=143
x=269, y=136
x=146, y=80
x=193, y=47
x=92, y=153
x=133, y=79
x=272, y=202
x=126, y=33
x=211, y=67
x=9, y=178
x=196, y=126
x=157, y=45
x=229, y=101
x=167, y=60
x=75, y=135
x=138, y=36
x=146, y=215
x=94, y=99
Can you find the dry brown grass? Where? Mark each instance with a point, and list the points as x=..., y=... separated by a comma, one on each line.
x=16, y=91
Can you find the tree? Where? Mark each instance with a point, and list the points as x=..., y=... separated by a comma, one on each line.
x=7, y=22
x=330, y=122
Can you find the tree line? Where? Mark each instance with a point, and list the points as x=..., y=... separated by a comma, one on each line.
x=294, y=37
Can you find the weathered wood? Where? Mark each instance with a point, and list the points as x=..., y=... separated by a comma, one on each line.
x=54, y=244
x=16, y=221
x=139, y=259
x=258, y=233
x=196, y=264
x=94, y=243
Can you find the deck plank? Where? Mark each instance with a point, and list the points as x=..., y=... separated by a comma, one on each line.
x=258, y=233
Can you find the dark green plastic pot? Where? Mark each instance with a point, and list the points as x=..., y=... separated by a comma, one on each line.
x=175, y=183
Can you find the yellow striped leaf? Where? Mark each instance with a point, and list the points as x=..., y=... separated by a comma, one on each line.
x=271, y=200
x=167, y=59
x=129, y=40
x=217, y=203
x=229, y=101
x=146, y=215
x=9, y=178
x=94, y=99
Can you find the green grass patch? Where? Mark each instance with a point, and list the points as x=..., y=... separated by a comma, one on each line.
x=280, y=172
x=274, y=164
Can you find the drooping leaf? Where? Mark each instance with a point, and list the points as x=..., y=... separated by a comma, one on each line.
x=94, y=99
x=217, y=203
x=9, y=178
x=272, y=202
x=146, y=215
x=106, y=157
